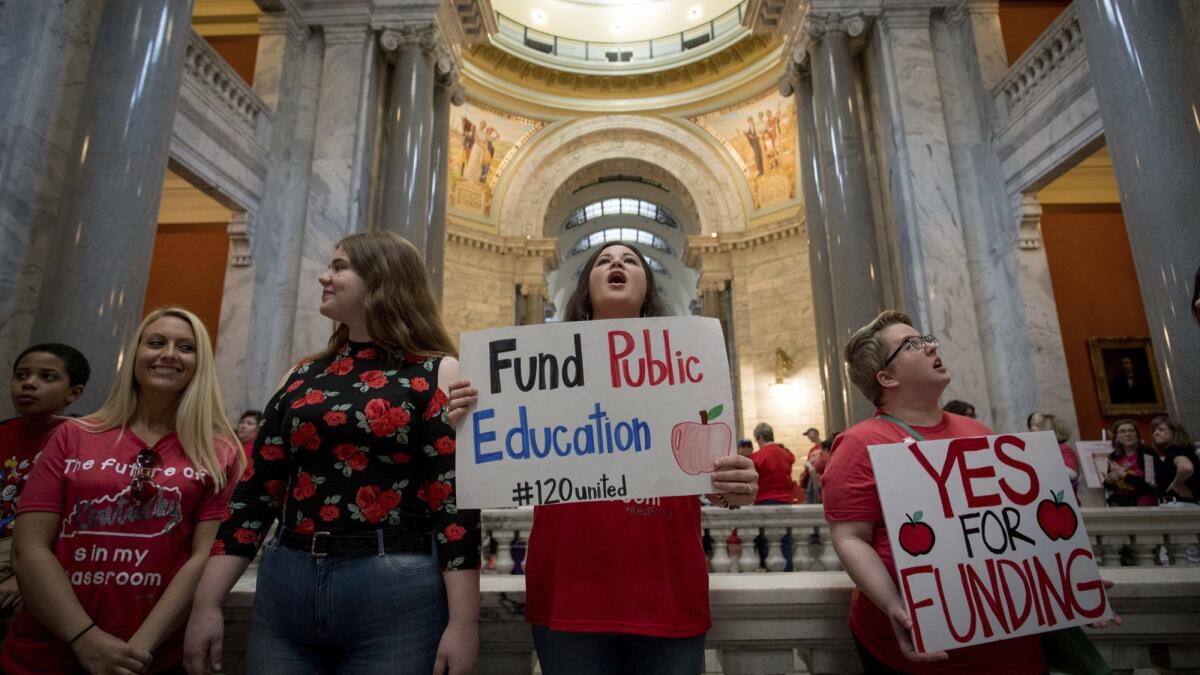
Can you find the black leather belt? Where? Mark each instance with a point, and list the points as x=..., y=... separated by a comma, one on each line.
x=323, y=544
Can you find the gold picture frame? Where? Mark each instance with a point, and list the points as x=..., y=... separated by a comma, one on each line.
x=1126, y=376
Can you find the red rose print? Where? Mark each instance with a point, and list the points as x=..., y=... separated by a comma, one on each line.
x=401, y=458
x=419, y=384
x=306, y=526
x=272, y=452
x=294, y=386
x=436, y=404
x=383, y=426
x=304, y=488
x=366, y=354
x=399, y=416
x=329, y=512
x=275, y=488
x=374, y=378
x=415, y=358
x=454, y=532
x=311, y=398
x=375, y=503
x=341, y=366
x=245, y=536
x=377, y=407
x=351, y=455
x=444, y=445
x=334, y=418
x=305, y=436
x=435, y=493
x=218, y=548
x=249, y=472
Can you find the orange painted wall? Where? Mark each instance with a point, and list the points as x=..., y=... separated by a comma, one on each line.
x=1022, y=21
x=241, y=51
x=188, y=269
x=1097, y=294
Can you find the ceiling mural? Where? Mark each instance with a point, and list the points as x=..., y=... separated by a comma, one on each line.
x=761, y=136
x=482, y=141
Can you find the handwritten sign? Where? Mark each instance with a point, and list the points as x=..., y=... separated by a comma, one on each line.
x=987, y=539
x=593, y=410
x=1093, y=461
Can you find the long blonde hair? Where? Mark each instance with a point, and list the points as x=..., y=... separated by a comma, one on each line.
x=401, y=312
x=200, y=420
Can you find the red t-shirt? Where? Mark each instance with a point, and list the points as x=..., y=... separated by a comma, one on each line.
x=19, y=446
x=848, y=487
x=119, y=557
x=633, y=566
x=774, y=465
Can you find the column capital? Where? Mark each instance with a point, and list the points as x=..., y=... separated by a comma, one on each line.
x=1029, y=228
x=241, y=238
x=286, y=25
x=424, y=36
x=818, y=25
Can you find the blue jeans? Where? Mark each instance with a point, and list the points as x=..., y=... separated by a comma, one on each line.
x=563, y=653
x=360, y=615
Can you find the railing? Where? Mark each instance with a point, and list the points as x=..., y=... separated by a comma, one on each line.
x=1141, y=537
x=1060, y=43
x=221, y=81
x=513, y=32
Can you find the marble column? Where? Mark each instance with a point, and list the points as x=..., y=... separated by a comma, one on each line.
x=109, y=206
x=44, y=56
x=1146, y=70
x=446, y=92
x=336, y=204
x=410, y=129
x=856, y=284
x=828, y=357
x=533, y=304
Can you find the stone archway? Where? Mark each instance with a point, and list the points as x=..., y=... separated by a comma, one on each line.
x=687, y=155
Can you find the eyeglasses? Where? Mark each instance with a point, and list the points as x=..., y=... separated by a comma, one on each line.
x=142, y=487
x=916, y=342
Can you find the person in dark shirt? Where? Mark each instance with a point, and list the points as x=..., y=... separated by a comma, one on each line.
x=1178, y=480
x=374, y=568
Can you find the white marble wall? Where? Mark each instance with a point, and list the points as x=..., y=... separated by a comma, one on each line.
x=340, y=162
x=925, y=209
x=45, y=49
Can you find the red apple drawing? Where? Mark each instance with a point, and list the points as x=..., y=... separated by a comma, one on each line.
x=1056, y=518
x=916, y=538
x=697, y=446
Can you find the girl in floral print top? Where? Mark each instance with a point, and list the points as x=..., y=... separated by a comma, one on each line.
x=356, y=457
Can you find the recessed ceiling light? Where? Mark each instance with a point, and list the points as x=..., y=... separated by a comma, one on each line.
x=539, y=17
x=695, y=12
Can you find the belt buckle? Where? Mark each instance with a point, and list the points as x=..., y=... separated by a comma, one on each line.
x=312, y=548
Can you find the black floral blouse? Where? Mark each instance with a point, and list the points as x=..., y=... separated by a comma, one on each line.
x=354, y=442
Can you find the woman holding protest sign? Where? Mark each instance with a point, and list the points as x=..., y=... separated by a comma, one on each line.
x=119, y=513
x=611, y=586
x=374, y=569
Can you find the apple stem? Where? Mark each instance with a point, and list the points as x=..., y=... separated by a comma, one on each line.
x=703, y=417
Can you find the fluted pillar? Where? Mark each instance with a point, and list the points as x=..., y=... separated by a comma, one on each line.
x=446, y=92
x=828, y=356
x=855, y=275
x=1145, y=64
x=109, y=206
x=410, y=129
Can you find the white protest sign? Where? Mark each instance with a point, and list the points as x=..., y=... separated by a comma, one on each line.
x=593, y=410
x=1093, y=461
x=987, y=539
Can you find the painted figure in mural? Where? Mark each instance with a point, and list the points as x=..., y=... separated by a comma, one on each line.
x=770, y=141
x=474, y=155
x=774, y=132
x=468, y=142
x=490, y=136
x=755, y=144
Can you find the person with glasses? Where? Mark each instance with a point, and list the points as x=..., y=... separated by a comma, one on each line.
x=119, y=513
x=902, y=373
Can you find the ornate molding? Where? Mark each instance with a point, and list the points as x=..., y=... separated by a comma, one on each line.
x=1058, y=47
x=285, y=24
x=347, y=35
x=241, y=238
x=908, y=17
x=521, y=247
x=424, y=36
x=1029, y=229
x=817, y=26
x=700, y=245
x=220, y=80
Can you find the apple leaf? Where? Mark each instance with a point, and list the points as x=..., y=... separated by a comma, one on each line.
x=917, y=516
x=716, y=411
x=1058, y=497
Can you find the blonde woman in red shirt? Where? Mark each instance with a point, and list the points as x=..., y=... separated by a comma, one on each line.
x=620, y=587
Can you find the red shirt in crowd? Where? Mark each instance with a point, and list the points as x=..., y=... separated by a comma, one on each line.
x=848, y=486
x=118, y=556
x=633, y=566
x=774, y=465
x=19, y=446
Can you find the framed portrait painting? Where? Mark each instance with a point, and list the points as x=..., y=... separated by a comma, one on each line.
x=1126, y=377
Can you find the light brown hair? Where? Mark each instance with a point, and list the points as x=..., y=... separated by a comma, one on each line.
x=1178, y=435
x=579, y=305
x=865, y=353
x=400, y=309
x=1052, y=423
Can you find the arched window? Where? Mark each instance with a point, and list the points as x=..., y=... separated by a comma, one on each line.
x=626, y=234
x=621, y=206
